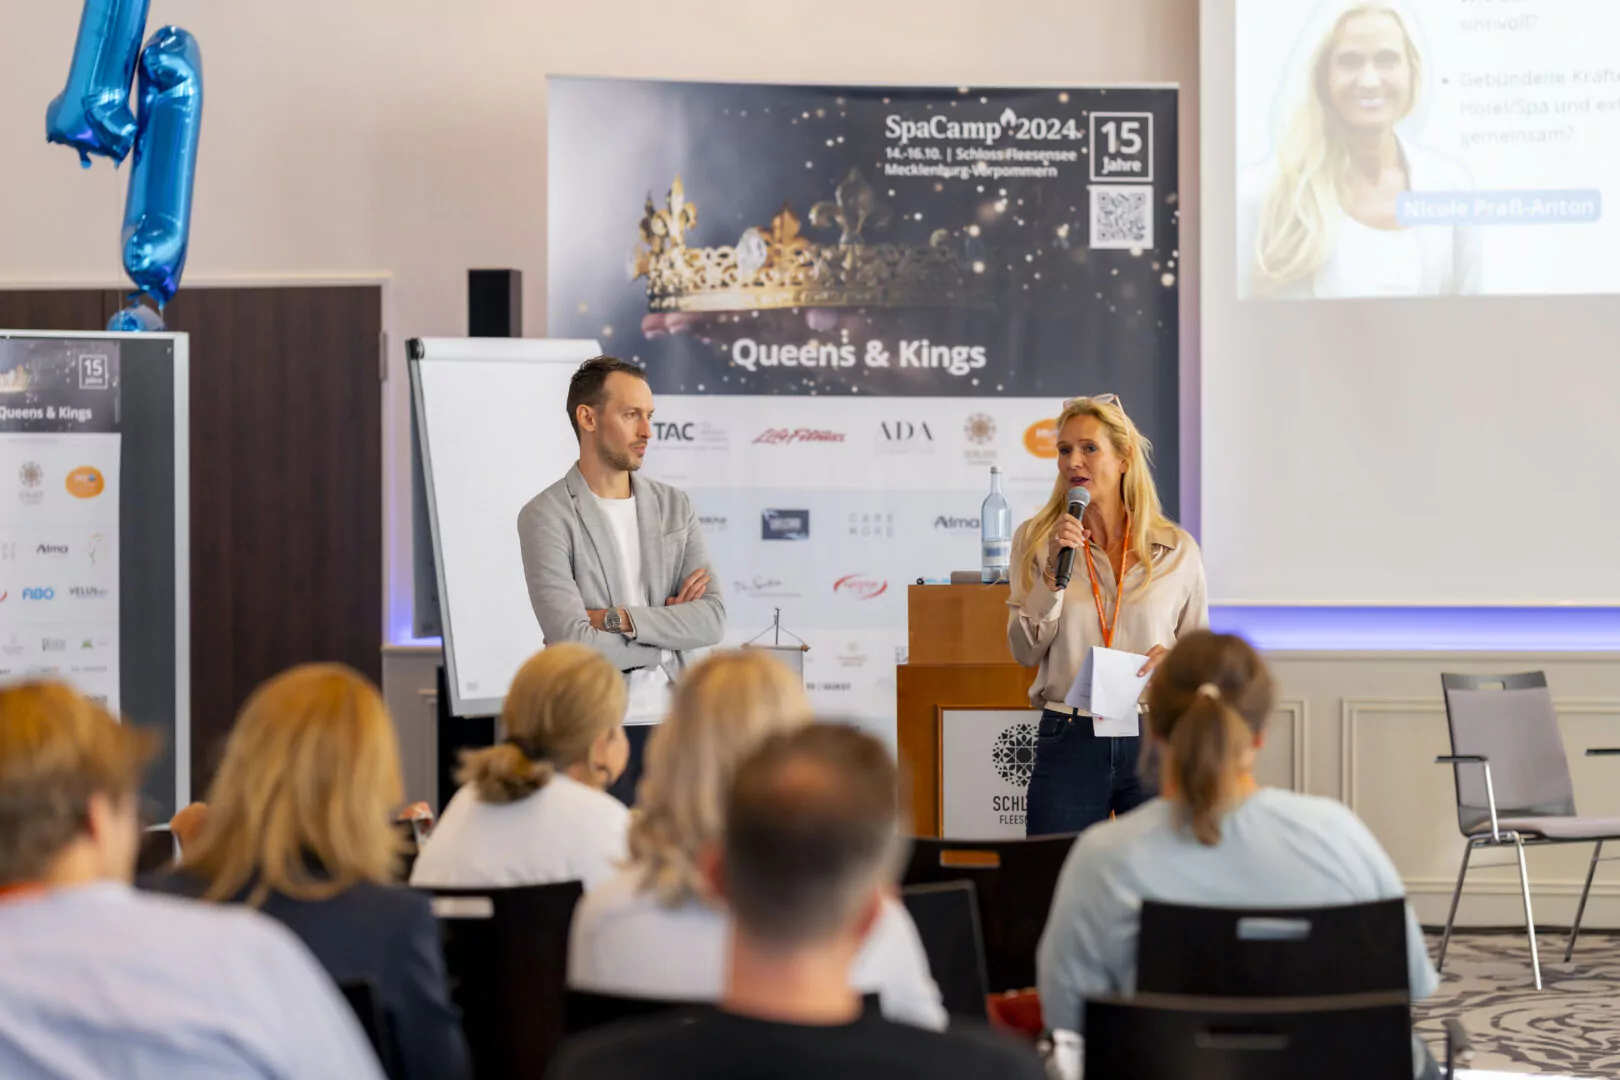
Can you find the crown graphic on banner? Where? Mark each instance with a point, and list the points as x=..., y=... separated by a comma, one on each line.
x=775, y=266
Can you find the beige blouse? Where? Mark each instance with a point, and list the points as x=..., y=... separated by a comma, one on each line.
x=1054, y=630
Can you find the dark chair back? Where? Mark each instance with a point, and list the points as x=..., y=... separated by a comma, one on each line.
x=1158, y=1037
x=1510, y=720
x=506, y=952
x=1272, y=952
x=947, y=918
x=157, y=850
x=1014, y=881
x=363, y=998
x=585, y=1009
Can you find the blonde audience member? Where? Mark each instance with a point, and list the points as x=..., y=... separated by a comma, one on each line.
x=1215, y=839
x=534, y=808
x=656, y=929
x=298, y=825
x=99, y=980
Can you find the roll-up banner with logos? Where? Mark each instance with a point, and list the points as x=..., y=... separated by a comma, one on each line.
x=851, y=302
x=60, y=440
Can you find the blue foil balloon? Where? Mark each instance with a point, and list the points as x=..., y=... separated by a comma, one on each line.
x=92, y=114
x=157, y=213
x=136, y=318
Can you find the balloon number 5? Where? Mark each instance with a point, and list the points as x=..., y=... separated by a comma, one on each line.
x=92, y=115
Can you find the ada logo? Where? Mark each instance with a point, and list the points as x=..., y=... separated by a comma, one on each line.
x=784, y=525
x=46, y=593
x=1013, y=755
x=860, y=587
x=904, y=437
x=86, y=482
x=1040, y=438
x=956, y=524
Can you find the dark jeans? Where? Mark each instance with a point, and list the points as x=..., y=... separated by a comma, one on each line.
x=1079, y=778
x=624, y=788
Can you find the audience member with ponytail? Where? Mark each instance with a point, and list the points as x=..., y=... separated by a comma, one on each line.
x=534, y=808
x=1214, y=838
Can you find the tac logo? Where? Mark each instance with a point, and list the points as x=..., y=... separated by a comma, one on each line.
x=859, y=587
x=86, y=482
x=784, y=525
x=46, y=593
x=1013, y=755
x=675, y=432
x=1040, y=438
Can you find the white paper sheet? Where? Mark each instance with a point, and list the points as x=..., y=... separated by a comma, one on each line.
x=1108, y=687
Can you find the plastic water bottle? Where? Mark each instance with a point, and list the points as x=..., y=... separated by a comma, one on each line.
x=995, y=532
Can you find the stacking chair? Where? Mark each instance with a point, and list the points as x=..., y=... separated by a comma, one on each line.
x=1014, y=881
x=947, y=919
x=1168, y=1037
x=506, y=953
x=1275, y=953
x=1513, y=784
x=363, y=998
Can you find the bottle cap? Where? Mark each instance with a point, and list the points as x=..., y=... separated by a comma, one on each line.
x=995, y=468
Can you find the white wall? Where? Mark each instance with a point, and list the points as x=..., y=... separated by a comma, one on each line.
x=404, y=139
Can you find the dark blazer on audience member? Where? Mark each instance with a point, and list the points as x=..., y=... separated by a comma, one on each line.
x=384, y=933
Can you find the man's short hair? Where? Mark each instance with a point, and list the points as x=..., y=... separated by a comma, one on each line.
x=57, y=749
x=589, y=384
x=812, y=825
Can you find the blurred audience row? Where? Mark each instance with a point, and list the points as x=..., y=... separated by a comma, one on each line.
x=757, y=870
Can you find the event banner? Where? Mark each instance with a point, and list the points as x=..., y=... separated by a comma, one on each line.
x=59, y=454
x=851, y=302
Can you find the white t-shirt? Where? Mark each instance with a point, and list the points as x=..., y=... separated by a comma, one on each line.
x=624, y=942
x=566, y=831
x=649, y=687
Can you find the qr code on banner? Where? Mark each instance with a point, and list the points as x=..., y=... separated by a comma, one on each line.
x=1122, y=216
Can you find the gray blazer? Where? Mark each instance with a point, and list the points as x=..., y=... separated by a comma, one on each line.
x=572, y=564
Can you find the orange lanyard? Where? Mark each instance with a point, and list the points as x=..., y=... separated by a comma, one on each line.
x=1107, y=627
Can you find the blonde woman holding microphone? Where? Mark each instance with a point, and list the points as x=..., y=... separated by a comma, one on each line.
x=1137, y=586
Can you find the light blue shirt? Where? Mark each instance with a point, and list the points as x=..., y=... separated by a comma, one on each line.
x=1278, y=849
x=100, y=981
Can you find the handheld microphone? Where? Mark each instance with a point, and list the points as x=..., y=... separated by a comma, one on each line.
x=1079, y=499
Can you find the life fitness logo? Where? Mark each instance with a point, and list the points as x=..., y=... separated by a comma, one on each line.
x=1040, y=438
x=86, y=482
x=859, y=587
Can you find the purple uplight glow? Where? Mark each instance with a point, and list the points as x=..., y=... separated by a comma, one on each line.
x=1490, y=629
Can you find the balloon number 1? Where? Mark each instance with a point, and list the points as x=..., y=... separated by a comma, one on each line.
x=92, y=114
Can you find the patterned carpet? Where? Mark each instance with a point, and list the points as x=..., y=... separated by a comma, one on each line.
x=1569, y=1028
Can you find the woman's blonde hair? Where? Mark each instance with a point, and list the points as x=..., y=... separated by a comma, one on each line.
x=1141, y=496
x=1302, y=209
x=1208, y=702
x=724, y=707
x=561, y=701
x=301, y=803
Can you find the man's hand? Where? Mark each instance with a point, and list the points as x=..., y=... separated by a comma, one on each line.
x=693, y=588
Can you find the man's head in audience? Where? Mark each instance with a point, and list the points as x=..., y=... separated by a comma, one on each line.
x=69, y=788
x=811, y=850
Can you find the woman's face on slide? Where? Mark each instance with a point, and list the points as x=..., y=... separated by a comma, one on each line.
x=1086, y=456
x=1369, y=78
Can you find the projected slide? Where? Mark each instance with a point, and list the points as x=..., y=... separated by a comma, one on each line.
x=1426, y=147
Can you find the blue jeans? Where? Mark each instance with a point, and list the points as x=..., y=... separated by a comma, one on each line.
x=1079, y=778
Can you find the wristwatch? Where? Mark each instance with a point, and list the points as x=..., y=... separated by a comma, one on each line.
x=612, y=622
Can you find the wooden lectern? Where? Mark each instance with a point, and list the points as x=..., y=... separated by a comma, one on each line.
x=958, y=658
